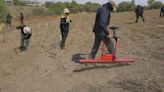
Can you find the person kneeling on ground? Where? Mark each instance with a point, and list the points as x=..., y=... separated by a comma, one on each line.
x=64, y=26
x=26, y=34
x=100, y=28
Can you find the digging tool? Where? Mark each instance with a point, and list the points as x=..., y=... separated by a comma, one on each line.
x=108, y=58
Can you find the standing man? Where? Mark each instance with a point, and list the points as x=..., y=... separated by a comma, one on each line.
x=9, y=20
x=26, y=33
x=139, y=13
x=64, y=26
x=21, y=18
x=101, y=28
x=162, y=12
x=9, y=27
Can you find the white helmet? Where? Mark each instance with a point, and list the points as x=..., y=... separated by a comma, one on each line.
x=66, y=10
x=27, y=30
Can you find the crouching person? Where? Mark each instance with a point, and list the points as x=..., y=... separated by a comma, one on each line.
x=26, y=34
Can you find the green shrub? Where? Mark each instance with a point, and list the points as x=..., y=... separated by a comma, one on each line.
x=126, y=6
x=3, y=11
x=153, y=4
x=39, y=11
x=18, y=2
x=57, y=8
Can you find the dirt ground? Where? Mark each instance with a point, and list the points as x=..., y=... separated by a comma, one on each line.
x=46, y=68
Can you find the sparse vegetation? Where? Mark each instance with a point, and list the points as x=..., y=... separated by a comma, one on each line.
x=130, y=6
x=74, y=7
x=126, y=6
x=39, y=11
x=153, y=4
x=18, y=2
x=3, y=11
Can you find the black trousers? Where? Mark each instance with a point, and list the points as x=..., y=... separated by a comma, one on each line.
x=21, y=21
x=64, y=34
x=162, y=14
x=24, y=43
x=108, y=42
x=139, y=15
x=9, y=23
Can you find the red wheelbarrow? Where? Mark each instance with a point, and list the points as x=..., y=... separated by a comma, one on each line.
x=108, y=58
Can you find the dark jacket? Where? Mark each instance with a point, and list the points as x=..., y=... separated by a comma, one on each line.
x=21, y=17
x=102, y=20
x=64, y=21
x=8, y=18
x=162, y=9
x=139, y=10
x=24, y=36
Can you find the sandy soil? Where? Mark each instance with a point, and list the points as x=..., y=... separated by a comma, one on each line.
x=46, y=68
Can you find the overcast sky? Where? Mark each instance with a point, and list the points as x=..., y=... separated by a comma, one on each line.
x=142, y=2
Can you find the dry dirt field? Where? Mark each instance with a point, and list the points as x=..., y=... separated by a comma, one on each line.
x=46, y=68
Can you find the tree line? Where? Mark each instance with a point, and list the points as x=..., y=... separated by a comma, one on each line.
x=130, y=6
x=57, y=7
x=74, y=7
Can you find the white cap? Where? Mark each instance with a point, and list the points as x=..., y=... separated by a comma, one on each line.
x=27, y=30
x=114, y=5
x=66, y=10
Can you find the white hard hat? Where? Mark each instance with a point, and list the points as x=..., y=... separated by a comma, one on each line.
x=66, y=10
x=27, y=30
x=114, y=5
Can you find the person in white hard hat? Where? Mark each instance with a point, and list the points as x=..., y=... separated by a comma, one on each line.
x=26, y=34
x=100, y=28
x=64, y=26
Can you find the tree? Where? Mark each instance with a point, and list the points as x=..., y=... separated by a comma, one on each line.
x=74, y=2
x=48, y=4
x=154, y=4
x=124, y=6
x=157, y=5
x=151, y=3
x=132, y=5
x=74, y=7
x=18, y=2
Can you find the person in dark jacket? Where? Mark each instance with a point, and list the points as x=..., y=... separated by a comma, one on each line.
x=25, y=36
x=139, y=13
x=162, y=12
x=101, y=28
x=9, y=19
x=64, y=26
x=21, y=18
